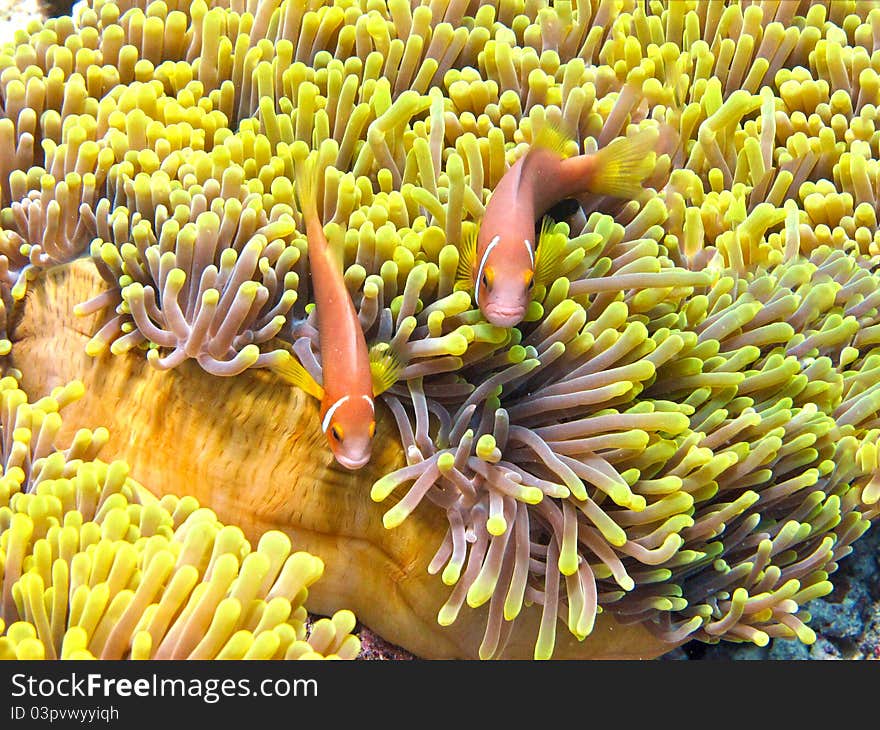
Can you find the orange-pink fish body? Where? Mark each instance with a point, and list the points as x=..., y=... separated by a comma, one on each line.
x=506, y=250
x=347, y=406
x=506, y=245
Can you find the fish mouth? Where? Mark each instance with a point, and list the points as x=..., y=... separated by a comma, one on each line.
x=350, y=463
x=504, y=316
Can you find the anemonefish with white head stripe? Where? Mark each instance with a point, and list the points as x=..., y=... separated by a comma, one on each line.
x=503, y=260
x=352, y=375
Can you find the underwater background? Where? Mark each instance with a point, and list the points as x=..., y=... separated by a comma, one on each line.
x=727, y=236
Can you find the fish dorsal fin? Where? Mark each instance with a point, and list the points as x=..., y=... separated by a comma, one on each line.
x=555, y=138
x=385, y=367
x=623, y=164
x=467, y=255
x=292, y=371
x=549, y=254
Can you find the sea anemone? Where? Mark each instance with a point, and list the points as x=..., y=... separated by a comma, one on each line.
x=682, y=433
x=92, y=565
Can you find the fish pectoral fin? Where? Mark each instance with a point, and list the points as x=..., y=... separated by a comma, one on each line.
x=292, y=371
x=550, y=252
x=386, y=366
x=467, y=255
x=622, y=165
x=555, y=138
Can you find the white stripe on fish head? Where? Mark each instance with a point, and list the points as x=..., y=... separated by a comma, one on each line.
x=370, y=401
x=492, y=244
x=325, y=424
x=528, y=244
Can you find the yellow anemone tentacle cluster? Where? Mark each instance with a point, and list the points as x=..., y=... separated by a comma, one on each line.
x=93, y=566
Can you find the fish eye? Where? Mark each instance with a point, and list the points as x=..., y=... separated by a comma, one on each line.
x=485, y=281
x=372, y=429
x=531, y=284
x=336, y=433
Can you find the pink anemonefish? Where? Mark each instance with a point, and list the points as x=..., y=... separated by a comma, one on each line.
x=352, y=375
x=502, y=261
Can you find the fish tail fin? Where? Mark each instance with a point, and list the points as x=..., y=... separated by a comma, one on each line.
x=549, y=253
x=555, y=137
x=386, y=366
x=467, y=254
x=292, y=371
x=307, y=176
x=622, y=166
